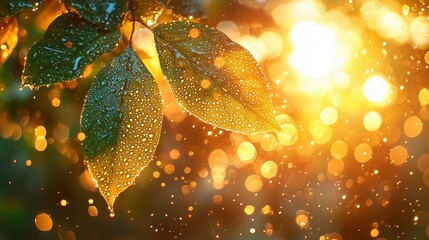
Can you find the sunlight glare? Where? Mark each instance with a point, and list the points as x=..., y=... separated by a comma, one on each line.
x=394, y=26
x=376, y=89
x=287, y=13
x=314, y=49
x=372, y=121
x=419, y=28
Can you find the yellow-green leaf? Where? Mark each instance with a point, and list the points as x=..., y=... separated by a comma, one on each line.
x=121, y=119
x=8, y=37
x=214, y=78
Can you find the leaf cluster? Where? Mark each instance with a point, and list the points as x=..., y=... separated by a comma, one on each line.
x=212, y=77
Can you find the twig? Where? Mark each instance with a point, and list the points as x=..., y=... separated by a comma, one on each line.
x=131, y=10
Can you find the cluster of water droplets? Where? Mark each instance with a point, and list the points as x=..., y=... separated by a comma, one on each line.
x=214, y=78
x=67, y=47
x=122, y=121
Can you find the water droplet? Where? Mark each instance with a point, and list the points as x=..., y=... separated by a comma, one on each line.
x=205, y=83
x=76, y=63
x=194, y=33
x=68, y=44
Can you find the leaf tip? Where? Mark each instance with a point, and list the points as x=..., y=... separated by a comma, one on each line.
x=110, y=194
x=110, y=205
x=107, y=191
x=271, y=123
x=24, y=84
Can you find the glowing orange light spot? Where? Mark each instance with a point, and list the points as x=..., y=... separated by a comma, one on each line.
x=424, y=95
x=203, y=172
x=81, y=136
x=174, y=154
x=217, y=199
x=301, y=220
x=374, y=233
x=269, y=169
x=363, y=153
x=56, y=102
x=335, y=167
x=187, y=170
x=40, y=132
x=93, y=211
x=329, y=115
x=218, y=158
x=249, y=209
x=253, y=183
x=268, y=142
x=413, y=126
x=376, y=89
x=186, y=189
x=339, y=149
x=43, y=222
x=246, y=152
x=40, y=144
x=423, y=162
x=372, y=121
x=398, y=155
x=169, y=168
x=265, y=210
x=156, y=174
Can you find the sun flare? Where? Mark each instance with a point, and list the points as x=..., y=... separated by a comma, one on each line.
x=314, y=49
x=376, y=90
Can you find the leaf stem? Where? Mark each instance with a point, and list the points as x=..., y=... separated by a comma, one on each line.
x=131, y=10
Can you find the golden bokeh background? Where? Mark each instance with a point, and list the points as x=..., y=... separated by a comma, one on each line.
x=350, y=85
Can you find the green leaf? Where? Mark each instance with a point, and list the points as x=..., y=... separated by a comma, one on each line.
x=67, y=47
x=185, y=7
x=8, y=37
x=148, y=11
x=121, y=119
x=214, y=78
x=105, y=14
x=12, y=7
